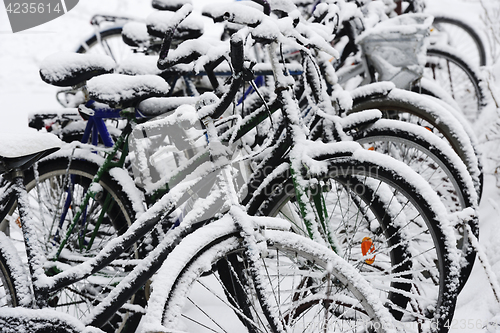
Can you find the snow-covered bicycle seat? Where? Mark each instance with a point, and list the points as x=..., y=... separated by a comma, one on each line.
x=135, y=34
x=158, y=25
x=171, y=5
x=22, y=149
x=70, y=69
x=153, y=107
x=124, y=90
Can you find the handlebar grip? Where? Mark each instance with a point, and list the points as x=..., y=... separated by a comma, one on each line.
x=237, y=63
x=179, y=16
x=237, y=53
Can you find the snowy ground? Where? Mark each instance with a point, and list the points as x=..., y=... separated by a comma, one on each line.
x=22, y=91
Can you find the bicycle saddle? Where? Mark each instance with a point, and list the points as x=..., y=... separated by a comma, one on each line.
x=157, y=25
x=139, y=64
x=169, y=4
x=22, y=150
x=124, y=90
x=71, y=69
x=135, y=34
x=153, y=107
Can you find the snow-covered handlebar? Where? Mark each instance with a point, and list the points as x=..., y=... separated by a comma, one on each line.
x=179, y=16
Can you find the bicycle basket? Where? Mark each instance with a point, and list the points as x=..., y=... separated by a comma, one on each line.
x=397, y=47
x=158, y=148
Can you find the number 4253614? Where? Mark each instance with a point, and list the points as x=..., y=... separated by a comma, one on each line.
x=32, y=7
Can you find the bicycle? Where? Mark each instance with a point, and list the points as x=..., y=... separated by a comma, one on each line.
x=234, y=247
x=403, y=106
x=397, y=139
x=108, y=40
x=453, y=31
x=435, y=229
x=456, y=78
x=431, y=120
x=460, y=189
x=263, y=174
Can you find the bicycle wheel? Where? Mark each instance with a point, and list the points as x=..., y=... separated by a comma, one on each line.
x=427, y=155
x=309, y=288
x=382, y=224
x=458, y=78
x=56, y=191
x=107, y=42
x=461, y=36
x=407, y=106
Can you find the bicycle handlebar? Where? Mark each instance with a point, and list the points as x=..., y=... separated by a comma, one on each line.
x=179, y=16
x=237, y=63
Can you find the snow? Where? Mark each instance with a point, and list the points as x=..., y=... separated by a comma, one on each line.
x=408, y=24
x=134, y=194
x=115, y=88
x=157, y=106
x=19, y=273
x=22, y=91
x=65, y=65
x=139, y=64
x=237, y=13
x=22, y=320
x=137, y=32
x=26, y=142
x=159, y=21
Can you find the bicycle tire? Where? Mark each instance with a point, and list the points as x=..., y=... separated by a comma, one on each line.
x=459, y=78
x=47, y=188
x=435, y=161
x=341, y=176
x=111, y=44
x=408, y=106
x=284, y=253
x=460, y=35
x=14, y=286
x=427, y=155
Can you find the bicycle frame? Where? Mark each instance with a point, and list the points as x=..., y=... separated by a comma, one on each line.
x=95, y=124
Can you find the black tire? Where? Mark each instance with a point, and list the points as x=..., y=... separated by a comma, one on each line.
x=297, y=274
x=11, y=274
x=457, y=77
x=358, y=187
x=111, y=44
x=48, y=188
x=463, y=37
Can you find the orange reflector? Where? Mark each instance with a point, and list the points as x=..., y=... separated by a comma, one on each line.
x=428, y=128
x=371, y=148
x=367, y=247
x=18, y=222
